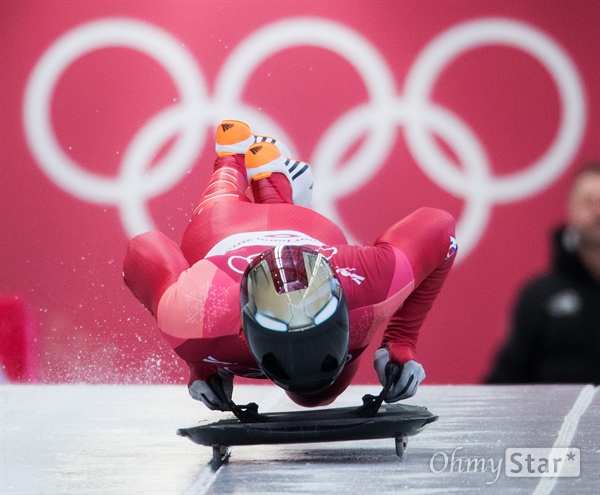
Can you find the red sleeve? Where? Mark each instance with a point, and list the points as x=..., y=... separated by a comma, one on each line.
x=426, y=238
x=152, y=263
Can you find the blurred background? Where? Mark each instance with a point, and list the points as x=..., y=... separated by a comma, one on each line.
x=108, y=110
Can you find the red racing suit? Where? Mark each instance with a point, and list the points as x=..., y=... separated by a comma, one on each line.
x=193, y=290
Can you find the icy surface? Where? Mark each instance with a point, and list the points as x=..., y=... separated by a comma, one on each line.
x=103, y=439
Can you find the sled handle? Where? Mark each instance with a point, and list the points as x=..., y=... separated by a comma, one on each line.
x=372, y=403
x=247, y=413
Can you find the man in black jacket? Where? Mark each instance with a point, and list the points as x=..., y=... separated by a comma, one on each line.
x=555, y=335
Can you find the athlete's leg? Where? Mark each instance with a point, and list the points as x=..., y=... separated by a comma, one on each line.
x=265, y=166
x=229, y=180
x=275, y=178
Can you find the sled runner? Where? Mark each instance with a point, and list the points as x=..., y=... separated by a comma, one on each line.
x=371, y=420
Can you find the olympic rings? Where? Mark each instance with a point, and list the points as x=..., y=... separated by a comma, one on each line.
x=375, y=120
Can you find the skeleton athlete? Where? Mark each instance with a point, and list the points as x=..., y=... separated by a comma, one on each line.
x=262, y=286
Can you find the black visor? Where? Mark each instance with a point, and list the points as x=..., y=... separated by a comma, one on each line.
x=295, y=318
x=303, y=361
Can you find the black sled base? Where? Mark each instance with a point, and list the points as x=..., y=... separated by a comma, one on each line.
x=372, y=420
x=396, y=421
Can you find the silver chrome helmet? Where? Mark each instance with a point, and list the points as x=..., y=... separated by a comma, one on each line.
x=295, y=318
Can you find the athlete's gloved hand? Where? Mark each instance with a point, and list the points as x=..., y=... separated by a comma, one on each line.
x=215, y=393
x=408, y=381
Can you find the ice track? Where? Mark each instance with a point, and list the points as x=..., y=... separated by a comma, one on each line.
x=102, y=439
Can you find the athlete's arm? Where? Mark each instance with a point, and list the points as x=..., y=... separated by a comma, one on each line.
x=152, y=263
x=426, y=239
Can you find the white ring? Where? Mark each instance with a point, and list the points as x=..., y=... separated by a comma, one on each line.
x=466, y=36
x=68, y=174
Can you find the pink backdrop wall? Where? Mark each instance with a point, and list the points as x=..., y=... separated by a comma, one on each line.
x=483, y=108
